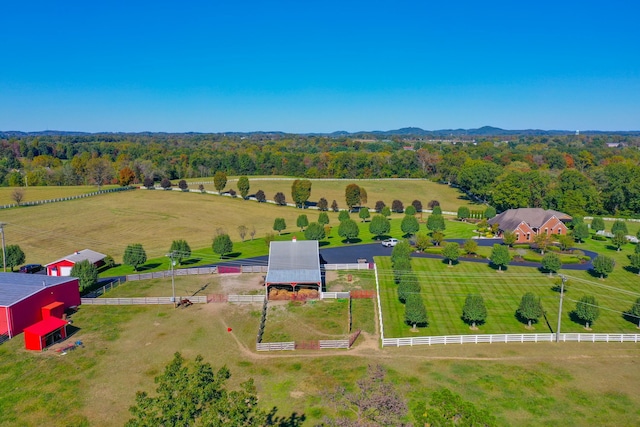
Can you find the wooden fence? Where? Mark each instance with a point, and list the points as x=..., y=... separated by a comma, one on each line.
x=509, y=338
x=246, y=298
x=167, y=273
x=334, y=295
x=352, y=266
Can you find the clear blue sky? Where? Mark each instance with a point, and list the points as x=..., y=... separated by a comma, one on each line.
x=318, y=66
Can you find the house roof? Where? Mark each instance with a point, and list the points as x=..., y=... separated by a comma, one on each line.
x=294, y=262
x=14, y=287
x=88, y=254
x=534, y=217
x=45, y=326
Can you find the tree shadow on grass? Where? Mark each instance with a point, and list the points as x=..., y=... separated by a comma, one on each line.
x=190, y=261
x=322, y=243
x=631, y=318
x=381, y=237
x=574, y=318
x=231, y=255
x=146, y=267
x=352, y=241
x=631, y=269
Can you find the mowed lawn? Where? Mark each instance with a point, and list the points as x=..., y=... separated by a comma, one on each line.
x=445, y=288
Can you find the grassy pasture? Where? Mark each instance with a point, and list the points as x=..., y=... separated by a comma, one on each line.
x=125, y=347
x=108, y=223
x=445, y=288
x=32, y=194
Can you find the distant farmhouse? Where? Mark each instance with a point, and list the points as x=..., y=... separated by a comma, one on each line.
x=529, y=222
x=63, y=266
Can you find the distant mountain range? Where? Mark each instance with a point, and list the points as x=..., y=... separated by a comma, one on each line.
x=404, y=132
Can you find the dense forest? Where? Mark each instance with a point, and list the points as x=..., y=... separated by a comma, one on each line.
x=595, y=174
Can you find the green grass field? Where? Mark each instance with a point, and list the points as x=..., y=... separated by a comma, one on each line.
x=445, y=288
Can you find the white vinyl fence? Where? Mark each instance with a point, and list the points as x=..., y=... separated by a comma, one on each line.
x=334, y=343
x=508, y=338
x=334, y=295
x=140, y=300
x=352, y=266
x=275, y=346
x=245, y=298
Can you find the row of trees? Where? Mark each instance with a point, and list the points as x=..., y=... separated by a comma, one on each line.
x=415, y=312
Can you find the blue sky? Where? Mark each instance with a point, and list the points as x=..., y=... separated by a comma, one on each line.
x=310, y=66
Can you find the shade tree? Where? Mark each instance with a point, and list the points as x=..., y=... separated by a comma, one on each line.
x=222, y=245
x=500, y=256
x=352, y=196
x=415, y=313
x=314, y=231
x=323, y=218
x=348, y=230
x=180, y=250
x=603, y=265
x=280, y=199
x=323, y=205
x=379, y=226
x=587, y=310
x=302, y=221
x=451, y=252
x=15, y=256
x=551, y=262
x=219, y=181
x=397, y=206
x=409, y=225
x=300, y=192
x=86, y=272
x=243, y=186
x=134, y=255
x=364, y=214
x=530, y=309
x=279, y=224
x=474, y=310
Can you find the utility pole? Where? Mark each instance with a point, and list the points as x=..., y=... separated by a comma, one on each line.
x=4, y=250
x=564, y=279
x=171, y=256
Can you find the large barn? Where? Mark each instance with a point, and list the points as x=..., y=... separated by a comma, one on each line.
x=294, y=265
x=36, y=303
x=63, y=266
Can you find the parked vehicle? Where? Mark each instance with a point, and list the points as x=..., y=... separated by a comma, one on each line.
x=389, y=243
x=31, y=268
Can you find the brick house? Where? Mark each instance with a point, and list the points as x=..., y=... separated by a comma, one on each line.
x=526, y=223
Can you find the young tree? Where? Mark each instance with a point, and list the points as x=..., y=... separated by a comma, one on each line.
x=314, y=231
x=196, y=395
x=348, y=229
x=490, y=212
x=410, y=210
x=252, y=231
x=437, y=210
x=587, y=310
x=463, y=213
x=260, y=196
x=603, y=265
x=580, y=232
x=352, y=196
x=343, y=215
x=280, y=199
x=180, y=250
x=17, y=195
x=148, y=183
x=597, y=224
x=323, y=218
x=432, y=204
x=323, y=205
x=451, y=252
x=242, y=231
x=543, y=241
x=409, y=225
x=565, y=242
x=302, y=221
x=86, y=272
x=401, y=251
x=379, y=206
x=530, y=308
x=407, y=282
x=222, y=245
x=509, y=238
x=334, y=206
x=279, y=224
x=470, y=246
x=619, y=239
x=422, y=241
x=165, y=183
x=243, y=186
x=500, y=256
x=437, y=237
x=397, y=206
x=551, y=262
x=219, y=181
x=634, y=312
x=364, y=214
x=386, y=211
x=619, y=225
x=635, y=261
x=232, y=192
x=268, y=238
x=417, y=205
x=134, y=255
x=474, y=310
x=415, y=313
x=364, y=198
x=435, y=222
x=126, y=176
x=300, y=192
x=15, y=256
x=379, y=226
x=201, y=188
x=182, y=185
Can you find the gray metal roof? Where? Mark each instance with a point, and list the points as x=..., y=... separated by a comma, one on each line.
x=76, y=257
x=15, y=287
x=294, y=262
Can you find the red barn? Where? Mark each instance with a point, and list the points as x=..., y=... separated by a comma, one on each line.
x=63, y=266
x=36, y=303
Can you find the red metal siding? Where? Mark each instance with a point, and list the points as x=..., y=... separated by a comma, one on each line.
x=57, y=265
x=28, y=311
x=4, y=326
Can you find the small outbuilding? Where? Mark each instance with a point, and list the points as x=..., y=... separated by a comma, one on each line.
x=30, y=302
x=63, y=266
x=294, y=265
